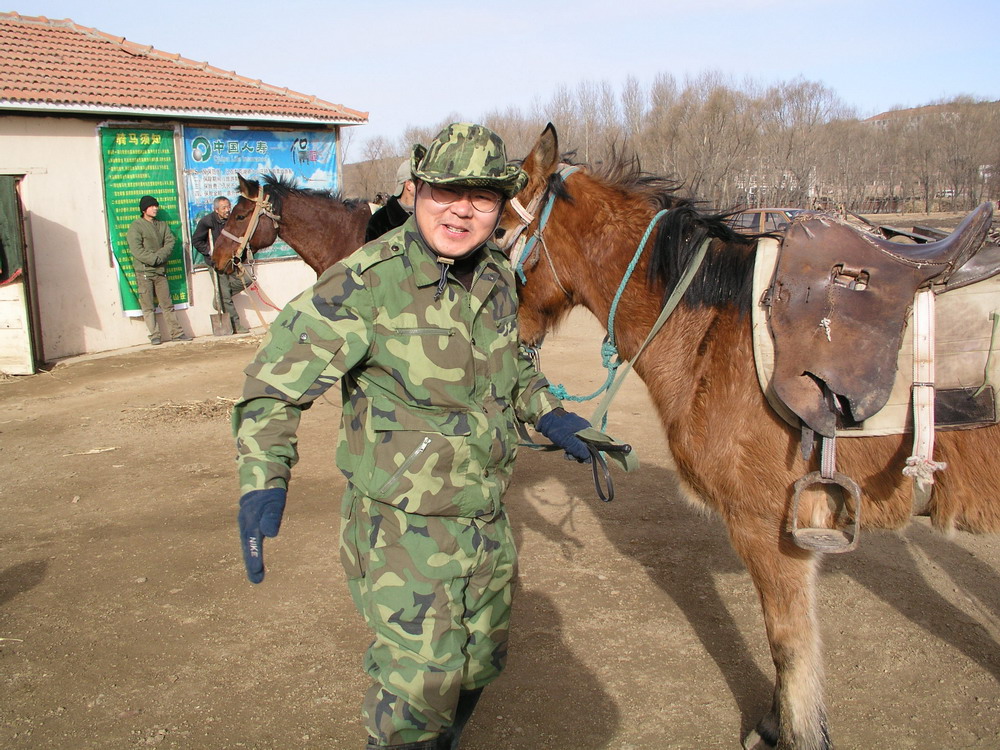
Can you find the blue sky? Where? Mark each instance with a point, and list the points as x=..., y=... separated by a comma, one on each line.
x=416, y=63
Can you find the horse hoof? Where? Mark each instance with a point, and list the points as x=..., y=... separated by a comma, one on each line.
x=753, y=741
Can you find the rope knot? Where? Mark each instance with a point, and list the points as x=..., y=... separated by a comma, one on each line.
x=560, y=392
x=609, y=350
x=922, y=469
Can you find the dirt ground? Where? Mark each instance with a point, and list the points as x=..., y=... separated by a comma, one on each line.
x=126, y=619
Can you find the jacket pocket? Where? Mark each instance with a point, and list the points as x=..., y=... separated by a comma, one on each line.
x=425, y=331
x=434, y=362
x=419, y=459
x=353, y=542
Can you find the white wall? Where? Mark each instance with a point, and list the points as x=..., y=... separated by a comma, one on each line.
x=75, y=283
x=279, y=280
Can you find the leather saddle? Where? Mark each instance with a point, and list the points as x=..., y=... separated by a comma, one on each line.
x=838, y=306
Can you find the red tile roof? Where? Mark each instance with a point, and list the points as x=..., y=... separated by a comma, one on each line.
x=59, y=66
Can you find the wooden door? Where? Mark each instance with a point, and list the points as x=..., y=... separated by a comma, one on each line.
x=17, y=355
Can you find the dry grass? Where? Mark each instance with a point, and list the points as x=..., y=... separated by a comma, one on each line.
x=217, y=408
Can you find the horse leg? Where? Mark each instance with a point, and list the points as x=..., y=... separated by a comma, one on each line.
x=785, y=579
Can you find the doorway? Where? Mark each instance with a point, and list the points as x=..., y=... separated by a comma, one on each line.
x=17, y=339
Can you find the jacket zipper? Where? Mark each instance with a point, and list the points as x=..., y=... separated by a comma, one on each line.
x=426, y=331
x=404, y=466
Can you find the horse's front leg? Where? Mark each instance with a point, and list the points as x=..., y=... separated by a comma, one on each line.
x=785, y=578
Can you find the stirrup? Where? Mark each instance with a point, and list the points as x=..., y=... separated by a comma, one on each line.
x=823, y=539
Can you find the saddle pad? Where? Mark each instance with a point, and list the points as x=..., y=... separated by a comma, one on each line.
x=964, y=333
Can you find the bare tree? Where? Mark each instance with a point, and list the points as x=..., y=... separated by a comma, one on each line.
x=792, y=143
x=796, y=114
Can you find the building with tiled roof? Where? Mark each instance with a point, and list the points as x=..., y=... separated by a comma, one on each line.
x=66, y=92
x=62, y=67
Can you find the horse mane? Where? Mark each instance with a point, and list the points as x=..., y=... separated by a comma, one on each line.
x=726, y=275
x=280, y=187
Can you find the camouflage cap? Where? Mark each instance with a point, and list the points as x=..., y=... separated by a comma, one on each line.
x=467, y=154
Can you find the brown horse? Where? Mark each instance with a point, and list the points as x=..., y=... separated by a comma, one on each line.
x=733, y=453
x=321, y=227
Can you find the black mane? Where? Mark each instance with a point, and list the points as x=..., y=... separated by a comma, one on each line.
x=726, y=275
x=279, y=188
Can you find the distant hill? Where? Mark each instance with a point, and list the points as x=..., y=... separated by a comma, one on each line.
x=365, y=179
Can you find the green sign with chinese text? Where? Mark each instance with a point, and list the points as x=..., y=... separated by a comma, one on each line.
x=138, y=162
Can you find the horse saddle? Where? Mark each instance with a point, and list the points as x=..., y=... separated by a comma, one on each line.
x=837, y=307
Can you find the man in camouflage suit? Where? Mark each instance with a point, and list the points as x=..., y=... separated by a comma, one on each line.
x=419, y=327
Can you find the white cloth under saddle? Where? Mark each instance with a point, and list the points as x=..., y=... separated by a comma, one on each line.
x=963, y=326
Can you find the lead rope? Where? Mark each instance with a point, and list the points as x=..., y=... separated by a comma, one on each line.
x=601, y=414
x=245, y=275
x=610, y=358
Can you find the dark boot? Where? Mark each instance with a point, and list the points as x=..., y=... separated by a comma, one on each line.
x=467, y=701
x=448, y=739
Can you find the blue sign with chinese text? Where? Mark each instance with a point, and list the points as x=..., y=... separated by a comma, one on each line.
x=212, y=158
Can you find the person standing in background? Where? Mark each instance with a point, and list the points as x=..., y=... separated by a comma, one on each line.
x=150, y=243
x=210, y=225
x=397, y=209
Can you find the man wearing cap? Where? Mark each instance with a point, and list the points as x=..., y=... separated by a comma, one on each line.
x=397, y=209
x=419, y=329
x=150, y=243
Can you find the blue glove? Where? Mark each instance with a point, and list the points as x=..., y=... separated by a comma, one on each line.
x=560, y=426
x=260, y=516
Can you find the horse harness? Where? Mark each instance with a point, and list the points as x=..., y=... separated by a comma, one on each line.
x=525, y=254
x=523, y=250
x=262, y=207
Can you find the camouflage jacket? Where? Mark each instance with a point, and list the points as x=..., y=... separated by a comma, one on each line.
x=431, y=388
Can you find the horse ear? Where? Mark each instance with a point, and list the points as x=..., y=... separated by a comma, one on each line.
x=244, y=187
x=542, y=160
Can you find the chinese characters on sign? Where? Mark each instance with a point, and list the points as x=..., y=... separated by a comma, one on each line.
x=214, y=157
x=140, y=162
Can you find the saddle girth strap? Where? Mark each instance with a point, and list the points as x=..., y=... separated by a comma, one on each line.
x=920, y=466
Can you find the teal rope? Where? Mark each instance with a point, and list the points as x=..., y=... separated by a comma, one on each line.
x=609, y=349
x=628, y=275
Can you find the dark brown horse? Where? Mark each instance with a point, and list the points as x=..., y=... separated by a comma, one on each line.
x=321, y=227
x=733, y=453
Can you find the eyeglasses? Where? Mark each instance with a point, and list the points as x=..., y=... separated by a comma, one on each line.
x=483, y=200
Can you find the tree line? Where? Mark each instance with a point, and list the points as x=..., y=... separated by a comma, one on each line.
x=732, y=145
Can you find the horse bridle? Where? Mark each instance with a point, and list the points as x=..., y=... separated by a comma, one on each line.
x=262, y=207
x=524, y=251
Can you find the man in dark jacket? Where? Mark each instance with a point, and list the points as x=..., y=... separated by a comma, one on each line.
x=398, y=208
x=150, y=243
x=227, y=284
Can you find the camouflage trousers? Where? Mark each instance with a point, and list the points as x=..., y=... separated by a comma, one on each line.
x=436, y=591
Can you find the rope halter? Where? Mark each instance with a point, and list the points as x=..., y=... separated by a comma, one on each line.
x=524, y=250
x=262, y=205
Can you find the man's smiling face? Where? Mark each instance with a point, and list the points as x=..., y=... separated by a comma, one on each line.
x=452, y=230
